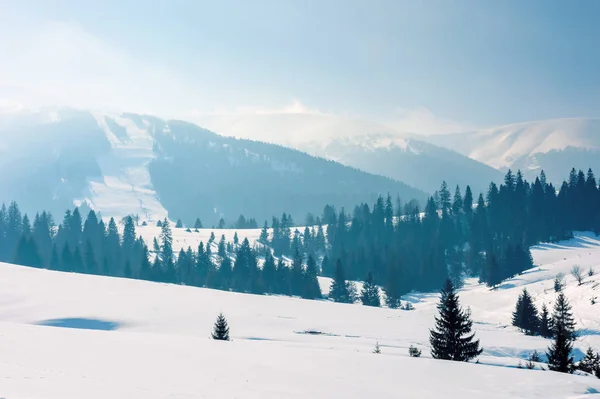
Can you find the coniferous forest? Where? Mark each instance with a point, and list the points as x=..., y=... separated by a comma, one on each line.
x=399, y=247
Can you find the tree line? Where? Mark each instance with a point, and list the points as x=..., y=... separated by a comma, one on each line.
x=456, y=235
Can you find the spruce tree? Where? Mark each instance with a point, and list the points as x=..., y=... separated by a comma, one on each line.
x=393, y=287
x=297, y=274
x=198, y=224
x=264, y=234
x=451, y=338
x=545, y=323
x=525, y=315
x=370, y=292
x=146, y=266
x=590, y=363
x=179, y=224
x=221, y=329
x=311, y=288
x=339, y=289
x=560, y=351
x=222, y=250
x=269, y=272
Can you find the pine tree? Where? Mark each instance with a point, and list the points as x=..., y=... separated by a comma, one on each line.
x=89, y=261
x=393, y=287
x=525, y=315
x=269, y=272
x=179, y=224
x=221, y=329
x=590, y=363
x=222, y=250
x=311, y=288
x=264, y=234
x=370, y=292
x=560, y=351
x=54, y=260
x=451, y=339
x=198, y=224
x=339, y=289
x=236, y=240
x=545, y=323
x=297, y=274
x=146, y=266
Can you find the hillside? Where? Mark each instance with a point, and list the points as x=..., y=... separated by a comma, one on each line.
x=56, y=347
x=366, y=145
x=123, y=164
x=553, y=145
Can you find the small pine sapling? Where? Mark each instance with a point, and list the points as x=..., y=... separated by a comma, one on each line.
x=414, y=351
x=377, y=349
x=559, y=282
x=221, y=329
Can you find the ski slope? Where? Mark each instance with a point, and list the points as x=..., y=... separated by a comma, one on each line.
x=68, y=336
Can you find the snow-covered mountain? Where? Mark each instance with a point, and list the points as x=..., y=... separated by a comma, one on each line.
x=124, y=164
x=554, y=145
x=369, y=146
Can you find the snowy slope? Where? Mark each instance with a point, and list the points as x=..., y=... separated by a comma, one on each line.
x=122, y=164
x=369, y=146
x=132, y=338
x=552, y=145
x=125, y=186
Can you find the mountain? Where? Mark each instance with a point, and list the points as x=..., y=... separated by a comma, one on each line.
x=123, y=164
x=555, y=146
x=369, y=146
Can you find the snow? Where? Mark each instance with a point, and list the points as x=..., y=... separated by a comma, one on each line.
x=501, y=147
x=131, y=338
x=124, y=187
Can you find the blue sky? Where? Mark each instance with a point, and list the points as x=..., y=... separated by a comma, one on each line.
x=471, y=63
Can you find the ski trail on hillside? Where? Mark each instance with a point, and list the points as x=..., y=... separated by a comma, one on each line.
x=125, y=186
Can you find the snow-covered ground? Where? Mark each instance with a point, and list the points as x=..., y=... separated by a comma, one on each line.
x=149, y=340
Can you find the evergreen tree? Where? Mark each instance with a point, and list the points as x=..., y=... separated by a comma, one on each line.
x=179, y=224
x=311, y=288
x=225, y=273
x=66, y=259
x=269, y=272
x=297, y=274
x=339, y=289
x=370, y=292
x=560, y=351
x=393, y=287
x=166, y=252
x=55, y=260
x=146, y=266
x=468, y=202
x=129, y=239
x=525, y=315
x=590, y=363
x=198, y=224
x=127, y=272
x=326, y=267
x=89, y=261
x=221, y=329
x=221, y=251
x=451, y=339
x=264, y=234
x=545, y=323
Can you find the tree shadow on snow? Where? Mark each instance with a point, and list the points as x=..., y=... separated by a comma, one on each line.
x=81, y=323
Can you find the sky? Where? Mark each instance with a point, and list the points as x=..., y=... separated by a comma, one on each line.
x=438, y=65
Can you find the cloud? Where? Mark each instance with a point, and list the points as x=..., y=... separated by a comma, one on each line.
x=295, y=107
x=71, y=66
x=422, y=121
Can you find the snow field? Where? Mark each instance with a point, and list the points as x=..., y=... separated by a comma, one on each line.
x=152, y=340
